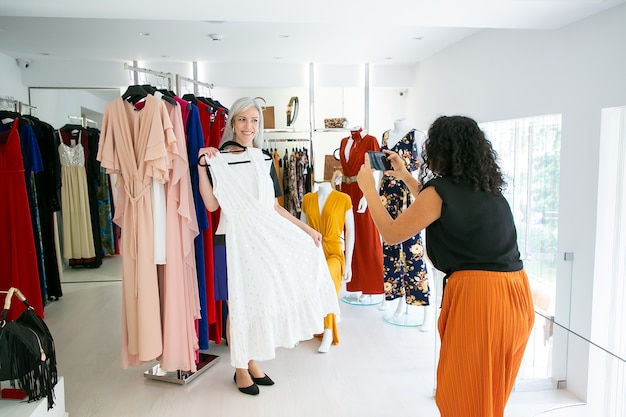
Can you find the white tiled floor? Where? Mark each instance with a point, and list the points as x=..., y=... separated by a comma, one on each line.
x=377, y=370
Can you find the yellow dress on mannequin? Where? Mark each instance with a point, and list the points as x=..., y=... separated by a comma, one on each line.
x=330, y=220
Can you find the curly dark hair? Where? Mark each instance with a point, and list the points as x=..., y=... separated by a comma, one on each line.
x=457, y=148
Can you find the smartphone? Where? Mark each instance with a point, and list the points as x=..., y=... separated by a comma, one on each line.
x=379, y=161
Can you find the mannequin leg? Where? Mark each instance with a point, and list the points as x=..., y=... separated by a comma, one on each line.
x=365, y=298
x=383, y=306
x=327, y=340
x=402, y=307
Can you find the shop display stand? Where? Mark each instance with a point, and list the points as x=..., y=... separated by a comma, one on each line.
x=410, y=317
x=358, y=299
x=182, y=377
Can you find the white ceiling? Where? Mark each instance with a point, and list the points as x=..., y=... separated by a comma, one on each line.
x=319, y=31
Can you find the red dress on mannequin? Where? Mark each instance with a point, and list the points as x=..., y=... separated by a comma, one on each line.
x=367, y=258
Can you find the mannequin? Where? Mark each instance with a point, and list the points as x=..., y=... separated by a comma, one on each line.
x=356, y=130
x=400, y=128
x=367, y=262
x=405, y=272
x=330, y=212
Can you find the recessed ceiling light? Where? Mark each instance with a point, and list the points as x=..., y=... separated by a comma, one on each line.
x=144, y=33
x=165, y=56
x=417, y=38
x=45, y=53
x=278, y=57
x=388, y=58
x=216, y=36
x=284, y=36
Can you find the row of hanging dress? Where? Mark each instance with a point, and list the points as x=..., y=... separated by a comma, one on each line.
x=150, y=142
x=20, y=159
x=296, y=171
x=208, y=120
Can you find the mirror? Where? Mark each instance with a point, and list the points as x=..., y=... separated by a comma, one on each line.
x=292, y=110
x=60, y=106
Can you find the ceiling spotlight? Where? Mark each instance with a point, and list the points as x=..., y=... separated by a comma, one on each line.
x=144, y=33
x=216, y=36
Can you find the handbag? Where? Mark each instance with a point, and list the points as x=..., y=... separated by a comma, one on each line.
x=27, y=353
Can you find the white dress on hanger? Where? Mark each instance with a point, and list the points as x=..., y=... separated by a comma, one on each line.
x=279, y=285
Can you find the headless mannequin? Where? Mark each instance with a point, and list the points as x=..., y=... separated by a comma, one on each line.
x=400, y=128
x=362, y=202
x=365, y=299
x=323, y=192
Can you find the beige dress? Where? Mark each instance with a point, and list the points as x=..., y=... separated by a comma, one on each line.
x=134, y=144
x=75, y=211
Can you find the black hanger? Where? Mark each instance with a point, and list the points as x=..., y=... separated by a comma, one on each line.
x=151, y=90
x=166, y=92
x=232, y=143
x=134, y=93
x=191, y=98
x=237, y=145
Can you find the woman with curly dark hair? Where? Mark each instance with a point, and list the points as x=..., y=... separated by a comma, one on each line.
x=487, y=310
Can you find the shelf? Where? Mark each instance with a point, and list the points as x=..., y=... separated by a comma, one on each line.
x=336, y=129
x=285, y=130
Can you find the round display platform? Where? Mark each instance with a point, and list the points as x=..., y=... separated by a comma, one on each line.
x=411, y=316
x=363, y=299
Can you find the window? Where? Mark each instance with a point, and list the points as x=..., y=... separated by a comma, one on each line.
x=529, y=154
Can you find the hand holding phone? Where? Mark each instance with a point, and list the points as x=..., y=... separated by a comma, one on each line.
x=379, y=161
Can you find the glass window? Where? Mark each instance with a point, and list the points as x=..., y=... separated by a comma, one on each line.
x=529, y=154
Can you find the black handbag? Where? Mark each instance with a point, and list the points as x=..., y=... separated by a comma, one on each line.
x=27, y=354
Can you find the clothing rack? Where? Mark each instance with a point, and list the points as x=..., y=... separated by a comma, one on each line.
x=196, y=83
x=18, y=106
x=205, y=361
x=137, y=70
x=84, y=121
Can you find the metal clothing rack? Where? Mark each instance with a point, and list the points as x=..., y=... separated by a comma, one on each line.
x=205, y=361
x=182, y=377
x=84, y=121
x=137, y=70
x=18, y=106
x=196, y=83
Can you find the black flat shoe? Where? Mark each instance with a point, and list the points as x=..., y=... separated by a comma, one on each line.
x=266, y=380
x=251, y=390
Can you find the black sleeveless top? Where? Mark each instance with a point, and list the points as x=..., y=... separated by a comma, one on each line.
x=475, y=231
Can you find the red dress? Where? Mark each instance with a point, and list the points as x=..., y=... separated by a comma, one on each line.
x=18, y=258
x=367, y=258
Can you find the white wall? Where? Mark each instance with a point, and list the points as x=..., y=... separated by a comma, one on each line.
x=575, y=71
x=11, y=80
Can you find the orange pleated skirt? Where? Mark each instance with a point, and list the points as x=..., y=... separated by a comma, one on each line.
x=485, y=322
